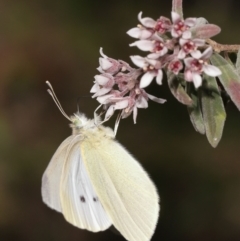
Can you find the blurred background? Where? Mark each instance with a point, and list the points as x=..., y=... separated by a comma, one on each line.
x=59, y=41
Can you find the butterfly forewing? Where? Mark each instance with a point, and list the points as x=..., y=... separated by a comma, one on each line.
x=123, y=187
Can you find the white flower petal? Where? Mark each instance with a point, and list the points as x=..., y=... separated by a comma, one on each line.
x=95, y=88
x=147, y=79
x=104, y=99
x=105, y=64
x=187, y=34
x=197, y=80
x=190, y=21
x=181, y=54
x=147, y=22
x=154, y=55
x=134, y=32
x=100, y=70
x=109, y=112
x=101, y=52
x=155, y=63
x=175, y=17
x=144, y=45
x=142, y=102
x=183, y=41
x=138, y=60
x=121, y=104
x=158, y=100
x=163, y=51
x=196, y=54
x=159, y=77
x=101, y=91
x=174, y=33
x=135, y=111
x=211, y=70
x=207, y=53
x=188, y=75
x=145, y=34
x=188, y=62
x=139, y=33
x=101, y=80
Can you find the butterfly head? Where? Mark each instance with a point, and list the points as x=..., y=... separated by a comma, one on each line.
x=78, y=122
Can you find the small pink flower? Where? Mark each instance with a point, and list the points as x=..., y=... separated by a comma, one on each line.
x=108, y=65
x=103, y=84
x=149, y=26
x=195, y=67
x=180, y=25
x=163, y=25
x=175, y=66
x=156, y=46
x=190, y=46
x=152, y=69
x=127, y=81
x=147, y=22
x=138, y=98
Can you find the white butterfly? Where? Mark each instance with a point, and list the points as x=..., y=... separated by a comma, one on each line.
x=95, y=183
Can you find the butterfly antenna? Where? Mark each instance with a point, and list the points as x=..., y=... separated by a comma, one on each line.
x=55, y=99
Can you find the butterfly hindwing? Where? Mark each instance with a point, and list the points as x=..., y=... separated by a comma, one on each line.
x=52, y=175
x=80, y=203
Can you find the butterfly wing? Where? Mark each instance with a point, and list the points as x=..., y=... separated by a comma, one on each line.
x=52, y=175
x=123, y=187
x=80, y=203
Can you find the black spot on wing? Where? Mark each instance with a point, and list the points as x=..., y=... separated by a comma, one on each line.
x=82, y=199
x=95, y=199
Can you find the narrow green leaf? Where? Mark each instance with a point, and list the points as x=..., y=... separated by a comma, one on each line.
x=194, y=111
x=238, y=63
x=177, y=7
x=226, y=56
x=214, y=114
x=178, y=91
x=229, y=78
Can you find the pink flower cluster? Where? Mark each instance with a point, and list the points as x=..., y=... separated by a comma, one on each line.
x=174, y=46
x=117, y=88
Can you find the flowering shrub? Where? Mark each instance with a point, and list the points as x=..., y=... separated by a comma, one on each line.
x=182, y=50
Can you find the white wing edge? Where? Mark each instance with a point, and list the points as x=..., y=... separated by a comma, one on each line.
x=50, y=189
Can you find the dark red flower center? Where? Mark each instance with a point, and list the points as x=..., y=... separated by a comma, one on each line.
x=189, y=47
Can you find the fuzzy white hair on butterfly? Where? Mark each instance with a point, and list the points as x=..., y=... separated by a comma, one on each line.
x=95, y=183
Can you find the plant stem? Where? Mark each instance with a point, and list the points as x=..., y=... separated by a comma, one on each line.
x=223, y=47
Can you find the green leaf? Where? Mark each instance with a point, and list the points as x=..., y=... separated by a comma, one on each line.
x=205, y=31
x=177, y=7
x=194, y=111
x=214, y=114
x=177, y=90
x=229, y=78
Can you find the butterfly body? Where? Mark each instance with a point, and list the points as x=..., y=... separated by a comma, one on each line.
x=95, y=183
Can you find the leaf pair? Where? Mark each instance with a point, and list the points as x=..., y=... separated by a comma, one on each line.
x=205, y=106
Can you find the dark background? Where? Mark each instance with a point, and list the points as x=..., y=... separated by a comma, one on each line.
x=59, y=41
